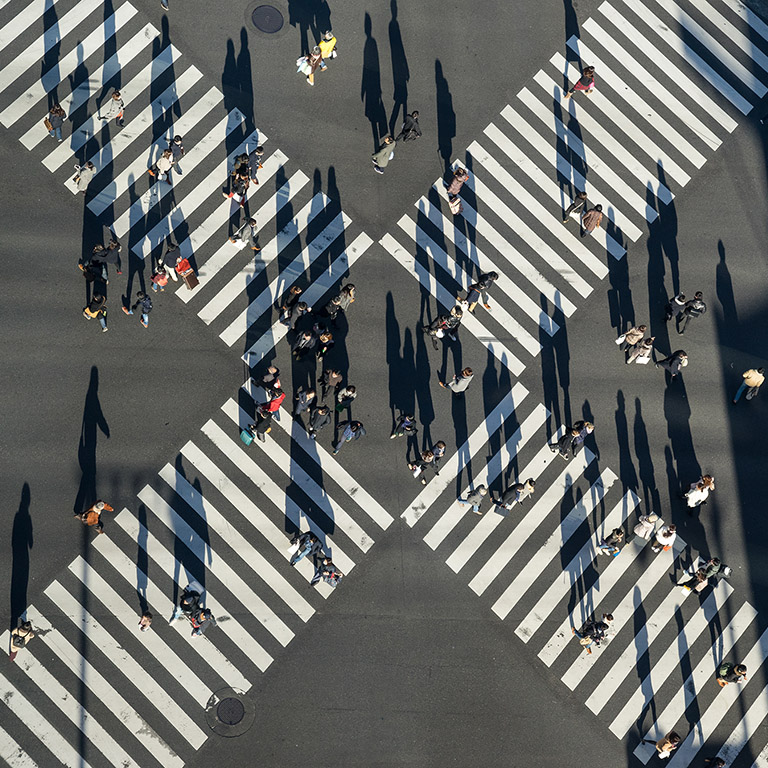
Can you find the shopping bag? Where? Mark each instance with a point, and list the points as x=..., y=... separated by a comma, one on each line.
x=246, y=436
x=643, y=360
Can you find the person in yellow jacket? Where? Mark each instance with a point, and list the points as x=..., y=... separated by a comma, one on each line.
x=328, y=45
x=753, y=380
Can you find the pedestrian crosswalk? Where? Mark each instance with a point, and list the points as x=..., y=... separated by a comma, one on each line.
x=673, y=79
x=539, y=568
x=221, y=513
x=306, y=238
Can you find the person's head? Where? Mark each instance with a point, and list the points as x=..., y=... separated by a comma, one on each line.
x=674, y=737
x=439, y=444
x=26, y=626
x=698, y=295
x=460, y=173
x=427, y=455
x=302, y=306
x=642, y=328
x=761, y=370
x=588, y=71
x=252, y=223
x=388, y=139
x=98, y=248
x=589, y=426
x=328, y=35
x=351, y=389
x=466, y=372
x=90, y=166
x=97, y=297
x=653, y=517
x=708, y=481
x=326, y=336
x=415, y=114
x=482, y=490
x=649, y=341
x=671, y=528
x=617, y=533
x=316, y=50
x=177, y=139
x=277, y=391
x=715, y=561
x=581, y=196
x=259, y=151
x=147, y=615
x=599, y=208
x=607, y=618
x=116, y=95
x=167, y=153
x=348, y=288
x=99, y=505
x=354, y=426
x=531, y=483
x=336, y=300
x=323, y=409
x=457, y=312
x=740, y=669
x=141, y=295
x=491, y=277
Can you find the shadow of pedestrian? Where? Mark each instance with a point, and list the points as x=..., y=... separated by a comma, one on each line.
x=400, y=72
x=304, y=14
x=93, y=421
x=52, y=55
x=142, y=562
x=627, y=473
x=645, y=462
x=22, y=541
x=370, y=86
x=446, y=118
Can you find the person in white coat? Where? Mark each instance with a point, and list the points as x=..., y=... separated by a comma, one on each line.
x=665, y=537
x=646, y=526
x=698, y=492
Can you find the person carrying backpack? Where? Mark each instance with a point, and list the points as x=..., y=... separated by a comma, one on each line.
x=144, y=304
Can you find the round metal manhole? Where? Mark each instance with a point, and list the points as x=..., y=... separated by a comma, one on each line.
x=267, y=18
x=230, y=712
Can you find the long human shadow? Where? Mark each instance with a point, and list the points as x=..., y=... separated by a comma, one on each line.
x=555, y=369
x=400, y=72
x=370, y=86
x=142, y=561
x=400, y=365
x=496, y=385
x=93, y=422
x=53, y=54
x=446, y=118
x=643, y=662
x=22, y=541
x=651, y=495
x=627, y=473
x=302, y=14
x=620, y=304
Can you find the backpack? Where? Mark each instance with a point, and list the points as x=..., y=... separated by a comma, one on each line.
x=724, y=669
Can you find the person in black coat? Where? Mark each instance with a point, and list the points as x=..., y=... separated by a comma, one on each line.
x=674, y=363
x=411, y=129
x=693, y=308
x=319, y=417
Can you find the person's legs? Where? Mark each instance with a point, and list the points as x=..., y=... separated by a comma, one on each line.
x=740, y=392
x=103, y=321
x=144, y=319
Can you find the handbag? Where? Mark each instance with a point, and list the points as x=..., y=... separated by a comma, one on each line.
x=246, y=436
x=48, y=124
x=294, y=548
x=585, y=641
x=621, y=339
x=641, y=360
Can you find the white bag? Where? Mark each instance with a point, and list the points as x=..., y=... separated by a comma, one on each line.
x=642, y=360
x=293, y=549
x=417, y=471
x=621, y=339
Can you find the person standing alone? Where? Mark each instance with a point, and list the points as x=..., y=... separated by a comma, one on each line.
x=753, y=380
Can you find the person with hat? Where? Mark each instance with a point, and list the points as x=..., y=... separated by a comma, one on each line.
x=327, y=45
x=92, y=515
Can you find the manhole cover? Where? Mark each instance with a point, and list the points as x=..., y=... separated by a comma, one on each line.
x=230, y=711
x=267, y=19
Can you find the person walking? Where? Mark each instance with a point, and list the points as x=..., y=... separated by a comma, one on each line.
x=418, y=468
x=309, y=64
x=176, y=145
x=161, y=168
x=304, y=399
x=612, y=543
x=145, y=621
x=83, y=176
x=585, y=83
x=56, y=118
x=593, y=632
x=460, y=382
x=591, y=220
x=516, y=494
x=692, y=309
x=97, y=309
x=21, y=635
x=411, y=129
x=306, y=342
x=325, y=343
x=585, y=429
x=115, y=108
x=296, y=313
x=642, y=352
x=711, y=568
x=406, y=425
x=307, y=545
x=327, y=45
x=330, y=381
x=256, y=163
x=698, y=493
x=384, y=154
x=288, y=301
x=272, y=405
x=646, y=525
x=438, y=449
x=460, y=176
x=159, y=276
x=674, y=307
x=328, y=572
x=270, y=379
x=345, y=397
x=674, y=364
x=319, y=417
x=577, y=206
x=144, y=305
x=665, y=746
x=731, y=673
x=564, y=445
x=752, y=381
x=201, y=620
x=665, y=538
x=631, y=338
x=475, y=499
x=239, y=181
x=248, y=234
x=92, y=515
x=479, y=291
x=436, y=329
x=353, y=430
x=454, y=321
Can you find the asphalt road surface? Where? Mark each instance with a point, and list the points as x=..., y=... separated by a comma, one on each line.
x=448, y=641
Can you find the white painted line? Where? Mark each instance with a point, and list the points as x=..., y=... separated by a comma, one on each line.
x=96, y=683
x=35, y=52
x=530, y=522
x=253, y=559
x=64, y=152
x=623, y=612
x=676, y=75
x=641, y=107
x=178, y=573
x=285, y=279
x=118, y=608
x=10, y=751
x=239, y=284
x=221, y=667
x=703, y=674
x=33, y=10
x=448, y=300
x=602, y=137
x=278, y=538
x=439, y=256
x=567, y=527
x=625, y=124
x=330, y=467
x=653, y=86
x=745, y=730
x=340, y=519
x=129, y=667
x=63, y=752
x=699, y=33
x=122, y=139
x=484, y=526
x=664, y=665
x=338, y=270
x=221, y=569
x=716, y=711
x=690, y=56
x=591, y=600
x=138, y=168
x=484, y=264
x=748, y=16
x=214, y=264
x=455, y=464
x=191, y=202
x=67, y=65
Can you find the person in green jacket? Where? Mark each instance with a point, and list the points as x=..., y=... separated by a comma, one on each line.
x=384, y=155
